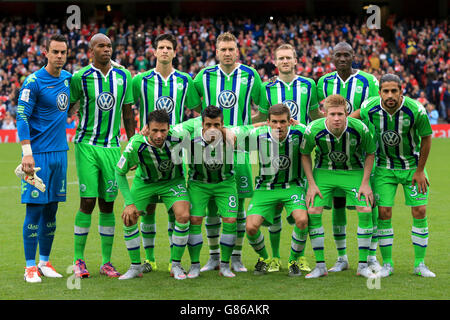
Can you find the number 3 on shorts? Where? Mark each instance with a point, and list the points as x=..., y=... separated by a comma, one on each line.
x=244, y=182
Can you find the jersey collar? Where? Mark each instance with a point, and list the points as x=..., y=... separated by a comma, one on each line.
x=287, y=84
x=275, y=139
x=391, y=115
x=104, y=76
x=345, y=129
x=348, y=79
x=228, y=75
x=168, y=77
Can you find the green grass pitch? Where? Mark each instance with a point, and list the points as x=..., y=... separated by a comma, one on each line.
x=159, y=285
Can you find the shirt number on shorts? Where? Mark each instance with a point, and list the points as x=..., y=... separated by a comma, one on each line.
x=244, y=182
x=232, y=202
x=181, y=189
x=413, y=192
x=112, y=186
x=356, y=192
x=295, y=198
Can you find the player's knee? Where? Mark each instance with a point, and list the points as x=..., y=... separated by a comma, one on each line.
x=196, y=220
x=105, y=206
x=364, y=209
x=251, y=229
x=229, y=220
x=301, y=222
x=384, y=213
x=315, y=210
x=419, y=212
x=87, y=205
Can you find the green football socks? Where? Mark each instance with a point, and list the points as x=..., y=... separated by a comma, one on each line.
x=106, y=227
x=339, y=221
x=81, y=231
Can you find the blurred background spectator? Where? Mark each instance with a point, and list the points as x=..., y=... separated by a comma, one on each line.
x=418, y=51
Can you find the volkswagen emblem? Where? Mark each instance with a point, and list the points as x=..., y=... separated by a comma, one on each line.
x=166, y=103
x=165, y=166
x=62, y=101
x=105, y=101
x=391, y=138
x=227, y=99
x=213, y=164
x=281, y=163
x=292, y=105
x=338, y=156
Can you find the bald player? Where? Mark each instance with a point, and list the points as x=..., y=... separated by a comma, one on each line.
x=104, y=93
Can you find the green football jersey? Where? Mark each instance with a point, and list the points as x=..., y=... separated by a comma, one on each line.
x=358, y=87
x=101, y=98
x=208, y=162
x=174, y=94
x=346, y=152
x=300, y=96
x=232, y=92
x=154, y=164
x=279, y=161
x=399, y=135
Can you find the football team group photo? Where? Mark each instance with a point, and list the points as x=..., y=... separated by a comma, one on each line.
x=227, y=152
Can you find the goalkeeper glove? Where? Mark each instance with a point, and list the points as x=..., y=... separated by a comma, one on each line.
x=32, y=179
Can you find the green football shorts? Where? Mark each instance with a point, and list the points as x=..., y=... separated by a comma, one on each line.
x=96, y=171
x=224, y=194
x=264, y=203
x=385, y=187
x=348, y=181
x=243, y=174
x=168, y=191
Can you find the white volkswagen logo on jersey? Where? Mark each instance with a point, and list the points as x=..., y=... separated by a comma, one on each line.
x=292, y=105
x=166, y=103
x=62, y=101
x=213, y=164
x=338, y=156
x=281, y=163
x=227, y=99
x=165, y=166
x=349, y=107
x=391, y=138
x=106, y=101
x=359, y=89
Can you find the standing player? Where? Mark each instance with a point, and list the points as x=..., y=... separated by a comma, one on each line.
x=163, y=87
x=356, y=86
x=232, y=87
x=403, y=133
x=280, y=180
x=104, y=92
x=157, y=175
x=344, y=159
x=41, y=126
x=300, y=95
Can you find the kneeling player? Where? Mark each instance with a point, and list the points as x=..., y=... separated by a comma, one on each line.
x=156, y=175
x=279, y=182
x=211, y=178
x=340, y=143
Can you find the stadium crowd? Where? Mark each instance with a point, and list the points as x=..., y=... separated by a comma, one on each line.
x=418, y=52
